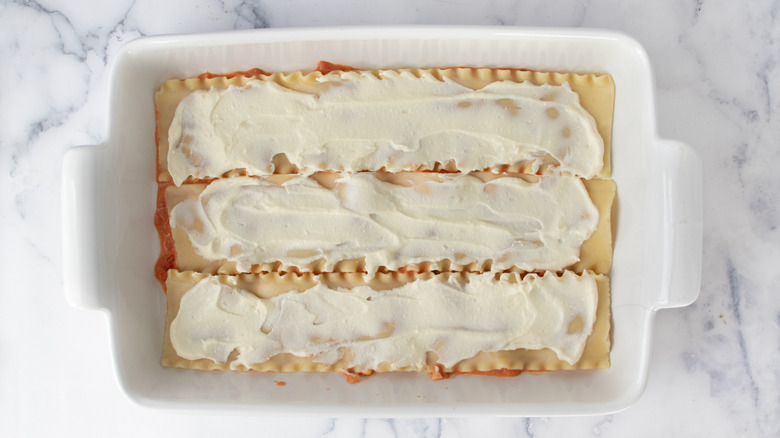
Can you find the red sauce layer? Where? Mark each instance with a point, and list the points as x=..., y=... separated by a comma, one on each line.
x=245, y=73
x=167, y=259
x=326, y=67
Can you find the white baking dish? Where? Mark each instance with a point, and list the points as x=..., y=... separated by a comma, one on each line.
x=110, y=244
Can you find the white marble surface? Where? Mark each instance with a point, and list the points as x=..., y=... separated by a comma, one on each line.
x=713, y=370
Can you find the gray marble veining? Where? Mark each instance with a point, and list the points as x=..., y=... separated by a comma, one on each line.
x=713, y=370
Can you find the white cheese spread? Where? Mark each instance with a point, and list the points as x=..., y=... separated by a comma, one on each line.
x=531, y=225
x=397, y=121
x=397, y=326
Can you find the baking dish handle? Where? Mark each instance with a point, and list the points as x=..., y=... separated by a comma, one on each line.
x=80, y=227
x=681, y=176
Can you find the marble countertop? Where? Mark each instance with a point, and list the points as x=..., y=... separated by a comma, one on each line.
x=713, y=370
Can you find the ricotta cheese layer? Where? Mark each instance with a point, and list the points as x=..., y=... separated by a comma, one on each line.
x=397, y=326
x=358, y=121
x=534, y=226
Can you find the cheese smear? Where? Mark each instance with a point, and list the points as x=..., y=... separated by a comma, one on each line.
x=396, y=327
x=398, y=121
x=531, y=225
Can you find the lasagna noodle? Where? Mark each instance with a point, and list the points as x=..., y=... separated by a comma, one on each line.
x=595, y=353
x=595, y=253
x=595, y=93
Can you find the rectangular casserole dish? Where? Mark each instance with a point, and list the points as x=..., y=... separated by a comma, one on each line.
x=110, y=244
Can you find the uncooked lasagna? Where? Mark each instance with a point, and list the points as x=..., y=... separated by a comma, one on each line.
x=359, y=221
